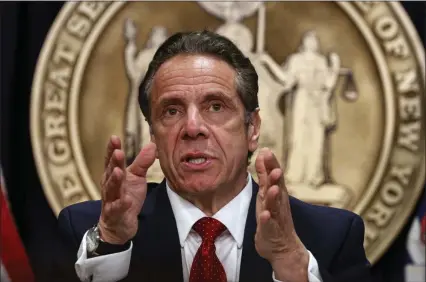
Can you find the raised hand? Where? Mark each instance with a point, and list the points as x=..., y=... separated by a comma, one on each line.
x=130, y=30
x=334, y=62
x=276, y=239
x=123, y=192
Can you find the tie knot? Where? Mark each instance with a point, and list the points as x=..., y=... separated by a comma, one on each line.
x=209, y=228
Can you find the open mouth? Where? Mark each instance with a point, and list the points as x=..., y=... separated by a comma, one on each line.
x=196, y=161
x=199, y=160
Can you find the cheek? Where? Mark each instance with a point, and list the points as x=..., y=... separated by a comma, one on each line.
x=232, y=140
x=165, y=141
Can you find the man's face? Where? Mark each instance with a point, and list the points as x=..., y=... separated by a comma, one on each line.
x=198, y=123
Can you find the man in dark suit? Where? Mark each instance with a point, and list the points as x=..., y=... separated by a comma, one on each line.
x=208, y=220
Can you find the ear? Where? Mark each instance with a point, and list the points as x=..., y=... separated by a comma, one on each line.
x=254, y=130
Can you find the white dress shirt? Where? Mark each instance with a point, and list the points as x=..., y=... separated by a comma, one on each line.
x=229, y=244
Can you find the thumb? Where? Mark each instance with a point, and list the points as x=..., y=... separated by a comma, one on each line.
x=143, y=160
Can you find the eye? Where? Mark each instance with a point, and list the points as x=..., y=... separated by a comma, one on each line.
x=171, y=112
x=216, y=107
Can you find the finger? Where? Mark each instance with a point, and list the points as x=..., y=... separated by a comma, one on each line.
x=117, y=160
x=112, y=189
x=273, y=201
x=276, y=202
x=114, y=143
x=119, y=206
x=264, y=217
x=268, y=226
x=113, y=211
x=262, y=174
x=126, y=202
x=271, y=162
x=275, y=176
x=143, y=160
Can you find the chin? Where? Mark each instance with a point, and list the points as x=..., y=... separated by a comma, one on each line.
x=199, y=184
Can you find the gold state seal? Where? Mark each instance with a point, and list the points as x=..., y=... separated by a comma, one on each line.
x=342, y=97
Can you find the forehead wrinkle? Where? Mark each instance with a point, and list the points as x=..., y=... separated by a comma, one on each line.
x=186, y=81
x=202, y=63
x=193, y=70
x=207, y=89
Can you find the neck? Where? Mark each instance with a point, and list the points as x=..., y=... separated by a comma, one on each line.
x=211, y=202
x=310, y=51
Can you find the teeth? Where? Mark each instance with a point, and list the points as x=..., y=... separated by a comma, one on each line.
x=197, y=160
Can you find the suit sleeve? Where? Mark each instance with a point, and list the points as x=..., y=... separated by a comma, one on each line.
x=66, y=250
x=350, y=264
x=73, y=265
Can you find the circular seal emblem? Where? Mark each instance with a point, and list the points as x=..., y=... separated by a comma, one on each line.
x=342, y=97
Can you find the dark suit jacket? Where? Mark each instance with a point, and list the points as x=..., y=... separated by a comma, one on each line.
x=335, y=237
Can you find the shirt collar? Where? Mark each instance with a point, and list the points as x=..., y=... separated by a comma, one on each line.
x=233, y=215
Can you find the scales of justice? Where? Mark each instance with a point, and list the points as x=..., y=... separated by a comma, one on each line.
x=296, y=100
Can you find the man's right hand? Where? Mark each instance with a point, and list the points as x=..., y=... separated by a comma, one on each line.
x=123, y=192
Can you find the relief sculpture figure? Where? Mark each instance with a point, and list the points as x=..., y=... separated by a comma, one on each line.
x=137, y=131
x=312, y=79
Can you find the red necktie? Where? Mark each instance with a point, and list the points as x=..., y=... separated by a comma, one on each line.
x=206, y=267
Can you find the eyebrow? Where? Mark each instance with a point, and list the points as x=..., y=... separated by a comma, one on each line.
x=179, y=98
x=167, y=101
x=217, y=95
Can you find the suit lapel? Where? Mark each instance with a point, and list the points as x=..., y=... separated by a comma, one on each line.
x=160, y=245
x=159, y=248
x=253, y=267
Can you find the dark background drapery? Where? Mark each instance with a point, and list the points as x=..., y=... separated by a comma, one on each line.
x=24, y=26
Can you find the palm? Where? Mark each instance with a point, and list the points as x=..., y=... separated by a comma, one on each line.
x=123, y=191
x=275, y=230
x=135, y=187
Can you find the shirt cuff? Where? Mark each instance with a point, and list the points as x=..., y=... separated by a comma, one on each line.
x=105, y=268
x=313, y=270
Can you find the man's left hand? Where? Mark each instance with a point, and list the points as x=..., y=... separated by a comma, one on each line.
x=276, y=239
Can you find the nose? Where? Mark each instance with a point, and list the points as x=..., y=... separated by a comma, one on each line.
x=195, y=125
